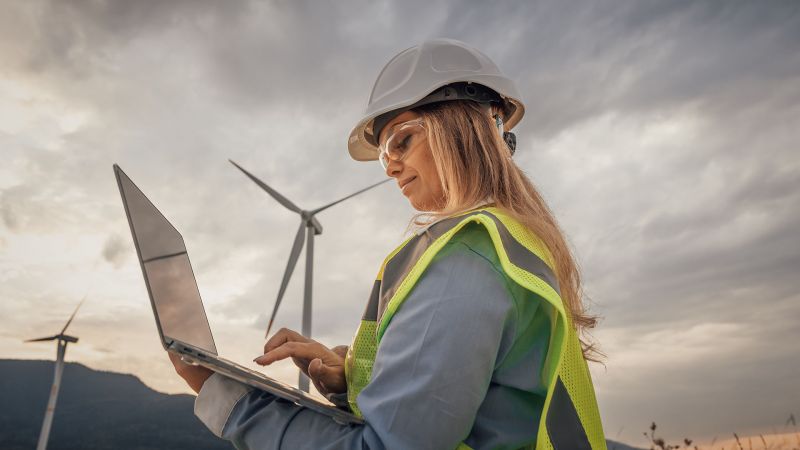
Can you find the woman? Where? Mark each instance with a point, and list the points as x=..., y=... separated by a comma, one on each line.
x=470, y=338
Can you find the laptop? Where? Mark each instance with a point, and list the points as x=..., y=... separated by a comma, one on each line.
x=180, y=317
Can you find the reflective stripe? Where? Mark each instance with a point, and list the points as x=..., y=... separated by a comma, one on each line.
x=522, y=257
x=398, y=267
x=371, y=312
x=563, y=425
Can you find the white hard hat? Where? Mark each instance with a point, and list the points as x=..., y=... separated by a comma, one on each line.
x=414, y=77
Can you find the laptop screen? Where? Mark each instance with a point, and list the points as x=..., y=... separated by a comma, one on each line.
x=167, y=271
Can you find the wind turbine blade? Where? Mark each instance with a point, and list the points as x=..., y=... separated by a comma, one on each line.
x=297, y=247
x=321, y=208
x=275, y=194
x=51, y=338
x=72, y=316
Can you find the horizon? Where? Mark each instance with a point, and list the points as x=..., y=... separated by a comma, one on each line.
x=716, y=442
x=663, y=136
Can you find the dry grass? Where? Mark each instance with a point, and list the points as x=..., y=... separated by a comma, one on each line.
x=789, y=439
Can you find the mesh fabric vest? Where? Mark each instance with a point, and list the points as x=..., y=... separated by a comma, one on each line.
x=570, y=419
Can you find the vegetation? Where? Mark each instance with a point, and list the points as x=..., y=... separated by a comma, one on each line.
x=775, y=441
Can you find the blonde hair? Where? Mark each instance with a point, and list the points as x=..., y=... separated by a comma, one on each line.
x=474, y=164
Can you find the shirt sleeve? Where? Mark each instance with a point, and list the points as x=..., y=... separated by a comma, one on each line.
x=431, y=372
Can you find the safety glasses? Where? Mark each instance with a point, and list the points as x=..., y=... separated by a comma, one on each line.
x=400, y=140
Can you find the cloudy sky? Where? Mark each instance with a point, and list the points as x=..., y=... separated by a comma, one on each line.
x=664, y=135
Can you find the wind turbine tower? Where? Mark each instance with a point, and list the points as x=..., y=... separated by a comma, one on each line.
x=309, y=227
x=63, y=340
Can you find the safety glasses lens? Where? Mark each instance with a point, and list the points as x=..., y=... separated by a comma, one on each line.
x=384, y=160
x=403, y=138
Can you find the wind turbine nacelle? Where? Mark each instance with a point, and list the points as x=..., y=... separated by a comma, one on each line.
x=68, y=338
x=310, y=219
x=317, y=225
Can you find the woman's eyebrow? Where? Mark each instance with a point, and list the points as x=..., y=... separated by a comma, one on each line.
x=389, y=131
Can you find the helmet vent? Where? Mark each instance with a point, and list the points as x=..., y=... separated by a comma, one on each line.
x=451, y=58
x=394, y=74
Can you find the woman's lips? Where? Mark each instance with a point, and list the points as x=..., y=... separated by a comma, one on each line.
x=406, y=183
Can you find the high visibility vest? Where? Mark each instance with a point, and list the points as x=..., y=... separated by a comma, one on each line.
x=570, y=419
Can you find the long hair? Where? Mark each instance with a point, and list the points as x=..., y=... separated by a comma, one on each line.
x=474, y=164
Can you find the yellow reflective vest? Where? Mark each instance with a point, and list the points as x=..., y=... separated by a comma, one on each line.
x=570, y=419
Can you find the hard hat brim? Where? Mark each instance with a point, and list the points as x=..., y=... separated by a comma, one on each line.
x=361, y=149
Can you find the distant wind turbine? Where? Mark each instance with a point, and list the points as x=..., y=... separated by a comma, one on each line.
x=63, y=340
x=310, y=227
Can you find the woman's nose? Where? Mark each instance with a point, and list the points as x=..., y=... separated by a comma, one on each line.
x=394, y=168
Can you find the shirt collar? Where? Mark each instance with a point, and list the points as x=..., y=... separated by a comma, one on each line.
x=482, y=203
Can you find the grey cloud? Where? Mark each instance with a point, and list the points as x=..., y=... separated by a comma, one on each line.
x=8, y=213
x=76, y=37
x=697, y=228
x=640, y=57
x=24, y=208
x=116, y=250
x=724, y=222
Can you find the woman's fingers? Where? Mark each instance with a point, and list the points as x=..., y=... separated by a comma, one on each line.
x=321, y=371
x=340, y=350
x=314, y=375
x=324, y=366
x=300, y=350
x=195, y=376
x=283, y=336
x=180, y=366
x=331, y=378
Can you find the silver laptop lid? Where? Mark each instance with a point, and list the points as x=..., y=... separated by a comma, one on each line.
x=167, y=271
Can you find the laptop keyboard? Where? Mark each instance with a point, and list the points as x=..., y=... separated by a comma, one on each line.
x=258, y=374
x=241, y=367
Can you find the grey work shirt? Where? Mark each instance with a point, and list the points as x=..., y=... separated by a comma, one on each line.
x=461, y=360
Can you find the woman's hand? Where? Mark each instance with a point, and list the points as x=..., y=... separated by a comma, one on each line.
x=195, y=376
x=324, y=366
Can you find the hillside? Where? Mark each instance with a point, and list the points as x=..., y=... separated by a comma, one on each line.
x=101, y=410
x=95, y=410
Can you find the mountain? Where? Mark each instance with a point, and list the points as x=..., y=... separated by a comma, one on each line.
x=101, y=410
x=612, y=445
x=95, y=410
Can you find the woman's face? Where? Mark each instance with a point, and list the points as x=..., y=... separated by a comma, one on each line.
x=416, y=173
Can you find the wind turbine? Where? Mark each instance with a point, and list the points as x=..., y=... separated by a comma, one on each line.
x=309, y=227
x=63, y=340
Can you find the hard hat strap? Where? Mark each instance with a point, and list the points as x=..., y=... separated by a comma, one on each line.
x=455, y=91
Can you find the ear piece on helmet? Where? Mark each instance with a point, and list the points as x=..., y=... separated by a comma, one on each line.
x=508, y=137
x=511, y=141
